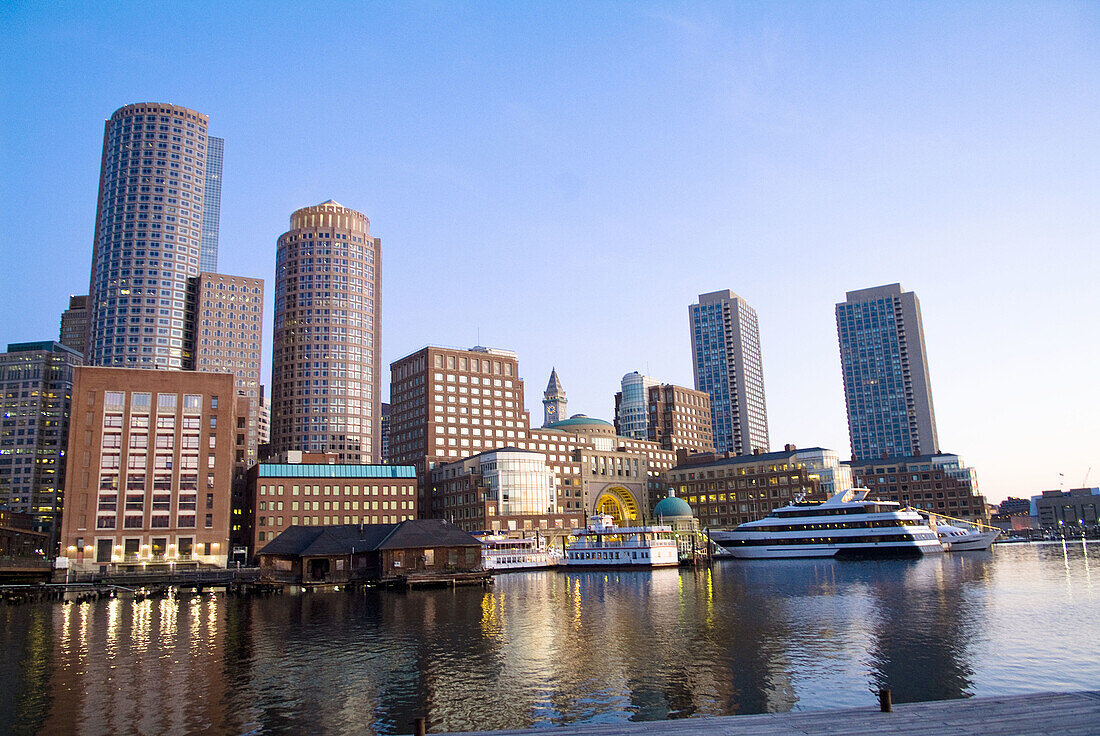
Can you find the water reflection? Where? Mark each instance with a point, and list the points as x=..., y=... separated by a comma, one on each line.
x=550, y=648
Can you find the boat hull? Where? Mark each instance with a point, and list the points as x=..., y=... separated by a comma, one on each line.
x=880, y=550
x=972, y=543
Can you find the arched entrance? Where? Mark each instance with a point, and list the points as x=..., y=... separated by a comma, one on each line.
x=618, y=503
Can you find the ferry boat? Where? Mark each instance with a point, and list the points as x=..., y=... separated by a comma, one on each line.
x=603, y=544
x=847, y=525
x=503, y=554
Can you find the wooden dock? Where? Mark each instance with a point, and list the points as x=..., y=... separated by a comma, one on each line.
x=1050, y=714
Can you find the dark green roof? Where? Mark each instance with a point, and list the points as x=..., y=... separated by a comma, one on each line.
x=579, y=420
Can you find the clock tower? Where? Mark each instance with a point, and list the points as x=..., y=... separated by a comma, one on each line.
x=553, y=402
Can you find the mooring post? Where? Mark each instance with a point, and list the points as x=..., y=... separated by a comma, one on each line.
x=885, y=701
x=420, y=726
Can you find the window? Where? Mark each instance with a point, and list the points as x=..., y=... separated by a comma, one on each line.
x=192, y=403
x=113, y=400
x=166, y=402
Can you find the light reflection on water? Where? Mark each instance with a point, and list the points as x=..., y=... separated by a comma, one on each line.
x=548, y=648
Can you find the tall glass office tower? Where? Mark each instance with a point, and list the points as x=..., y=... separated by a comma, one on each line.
x=212, y=205
x=149, y=223
x=886, y=385
x=725, y=347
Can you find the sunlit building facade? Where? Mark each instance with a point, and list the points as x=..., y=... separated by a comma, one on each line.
x=725, y=347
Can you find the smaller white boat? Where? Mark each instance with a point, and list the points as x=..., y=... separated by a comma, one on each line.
x=504, y=554
x=602, y=544
x=959, y=539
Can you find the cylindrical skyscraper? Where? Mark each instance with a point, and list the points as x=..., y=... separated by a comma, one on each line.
x=326, y=361
x=148, y=232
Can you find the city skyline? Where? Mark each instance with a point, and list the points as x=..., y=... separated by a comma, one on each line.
x=1002, y=136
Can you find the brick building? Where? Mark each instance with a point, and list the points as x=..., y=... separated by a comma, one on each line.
x=311, y=493
x=726, y=490
x=941, y=483
x=150, y=467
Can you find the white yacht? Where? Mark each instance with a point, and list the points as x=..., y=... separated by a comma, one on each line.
x=847, y=525
x=965, y=539
x=602, y=544
x=503, y=554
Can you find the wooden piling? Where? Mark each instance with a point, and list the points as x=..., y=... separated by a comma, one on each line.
x=885, y=701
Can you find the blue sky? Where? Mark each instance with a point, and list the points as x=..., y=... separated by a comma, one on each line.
x=564, y=179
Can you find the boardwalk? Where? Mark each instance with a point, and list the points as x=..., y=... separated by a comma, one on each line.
x=1050, y=714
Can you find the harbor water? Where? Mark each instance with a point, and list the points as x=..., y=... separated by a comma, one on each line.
x=551, y=647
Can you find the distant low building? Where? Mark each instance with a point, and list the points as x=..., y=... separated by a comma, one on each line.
x=1013, y=515
x=18, y=538
x=1075, y=507
x=338, y=554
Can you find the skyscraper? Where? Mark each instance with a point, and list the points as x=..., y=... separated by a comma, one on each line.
x=885, y=367
x=212, y=205
x=149, y=223
x=326, y=360
x=36, y=385
x=725, y=347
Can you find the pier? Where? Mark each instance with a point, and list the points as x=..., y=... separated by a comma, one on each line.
x=1051, y=714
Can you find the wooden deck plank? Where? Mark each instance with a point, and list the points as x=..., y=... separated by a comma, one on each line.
x=1051, y=714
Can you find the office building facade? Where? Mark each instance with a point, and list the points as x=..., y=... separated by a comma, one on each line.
x=149, y=469
x=725, y=346
x=74, y=324
x=148, y=236
x=211, y=205
x=449, y=405
x=632, y=406
x=326, y=362
x=680, y=418
x=36, y=384
x=940, y=482
x=885, y=367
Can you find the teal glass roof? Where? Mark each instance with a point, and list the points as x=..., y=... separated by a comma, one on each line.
x=318, y=470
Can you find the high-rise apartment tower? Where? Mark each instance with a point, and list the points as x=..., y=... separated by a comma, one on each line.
x=885, y=367
x=725, y=348
x=148, y=233
x=326, y=361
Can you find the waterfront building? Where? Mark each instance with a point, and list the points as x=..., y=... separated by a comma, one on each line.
x=885, y=367
x=263, y=431
x=725, y=347
x=632, y=406
x=149, y=222
x=553, y=400
x=1014, y=515
x=74, y=324
x=338, y=554
x=503, y=490
x=149, y=468
x=325, y=393
x=36, y=384
x=941, y=483
x=726, y=490
x=1076, y=507
x=449, y=403
x=18, y=538
x=312, y=491
x=211, y=205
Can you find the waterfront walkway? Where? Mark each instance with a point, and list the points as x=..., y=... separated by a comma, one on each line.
x=1050, y=714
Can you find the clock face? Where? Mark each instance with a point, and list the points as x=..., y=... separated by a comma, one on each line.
x=552, y=409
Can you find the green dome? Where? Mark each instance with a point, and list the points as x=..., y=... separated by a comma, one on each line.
x=580, y=420
x=672, y=506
